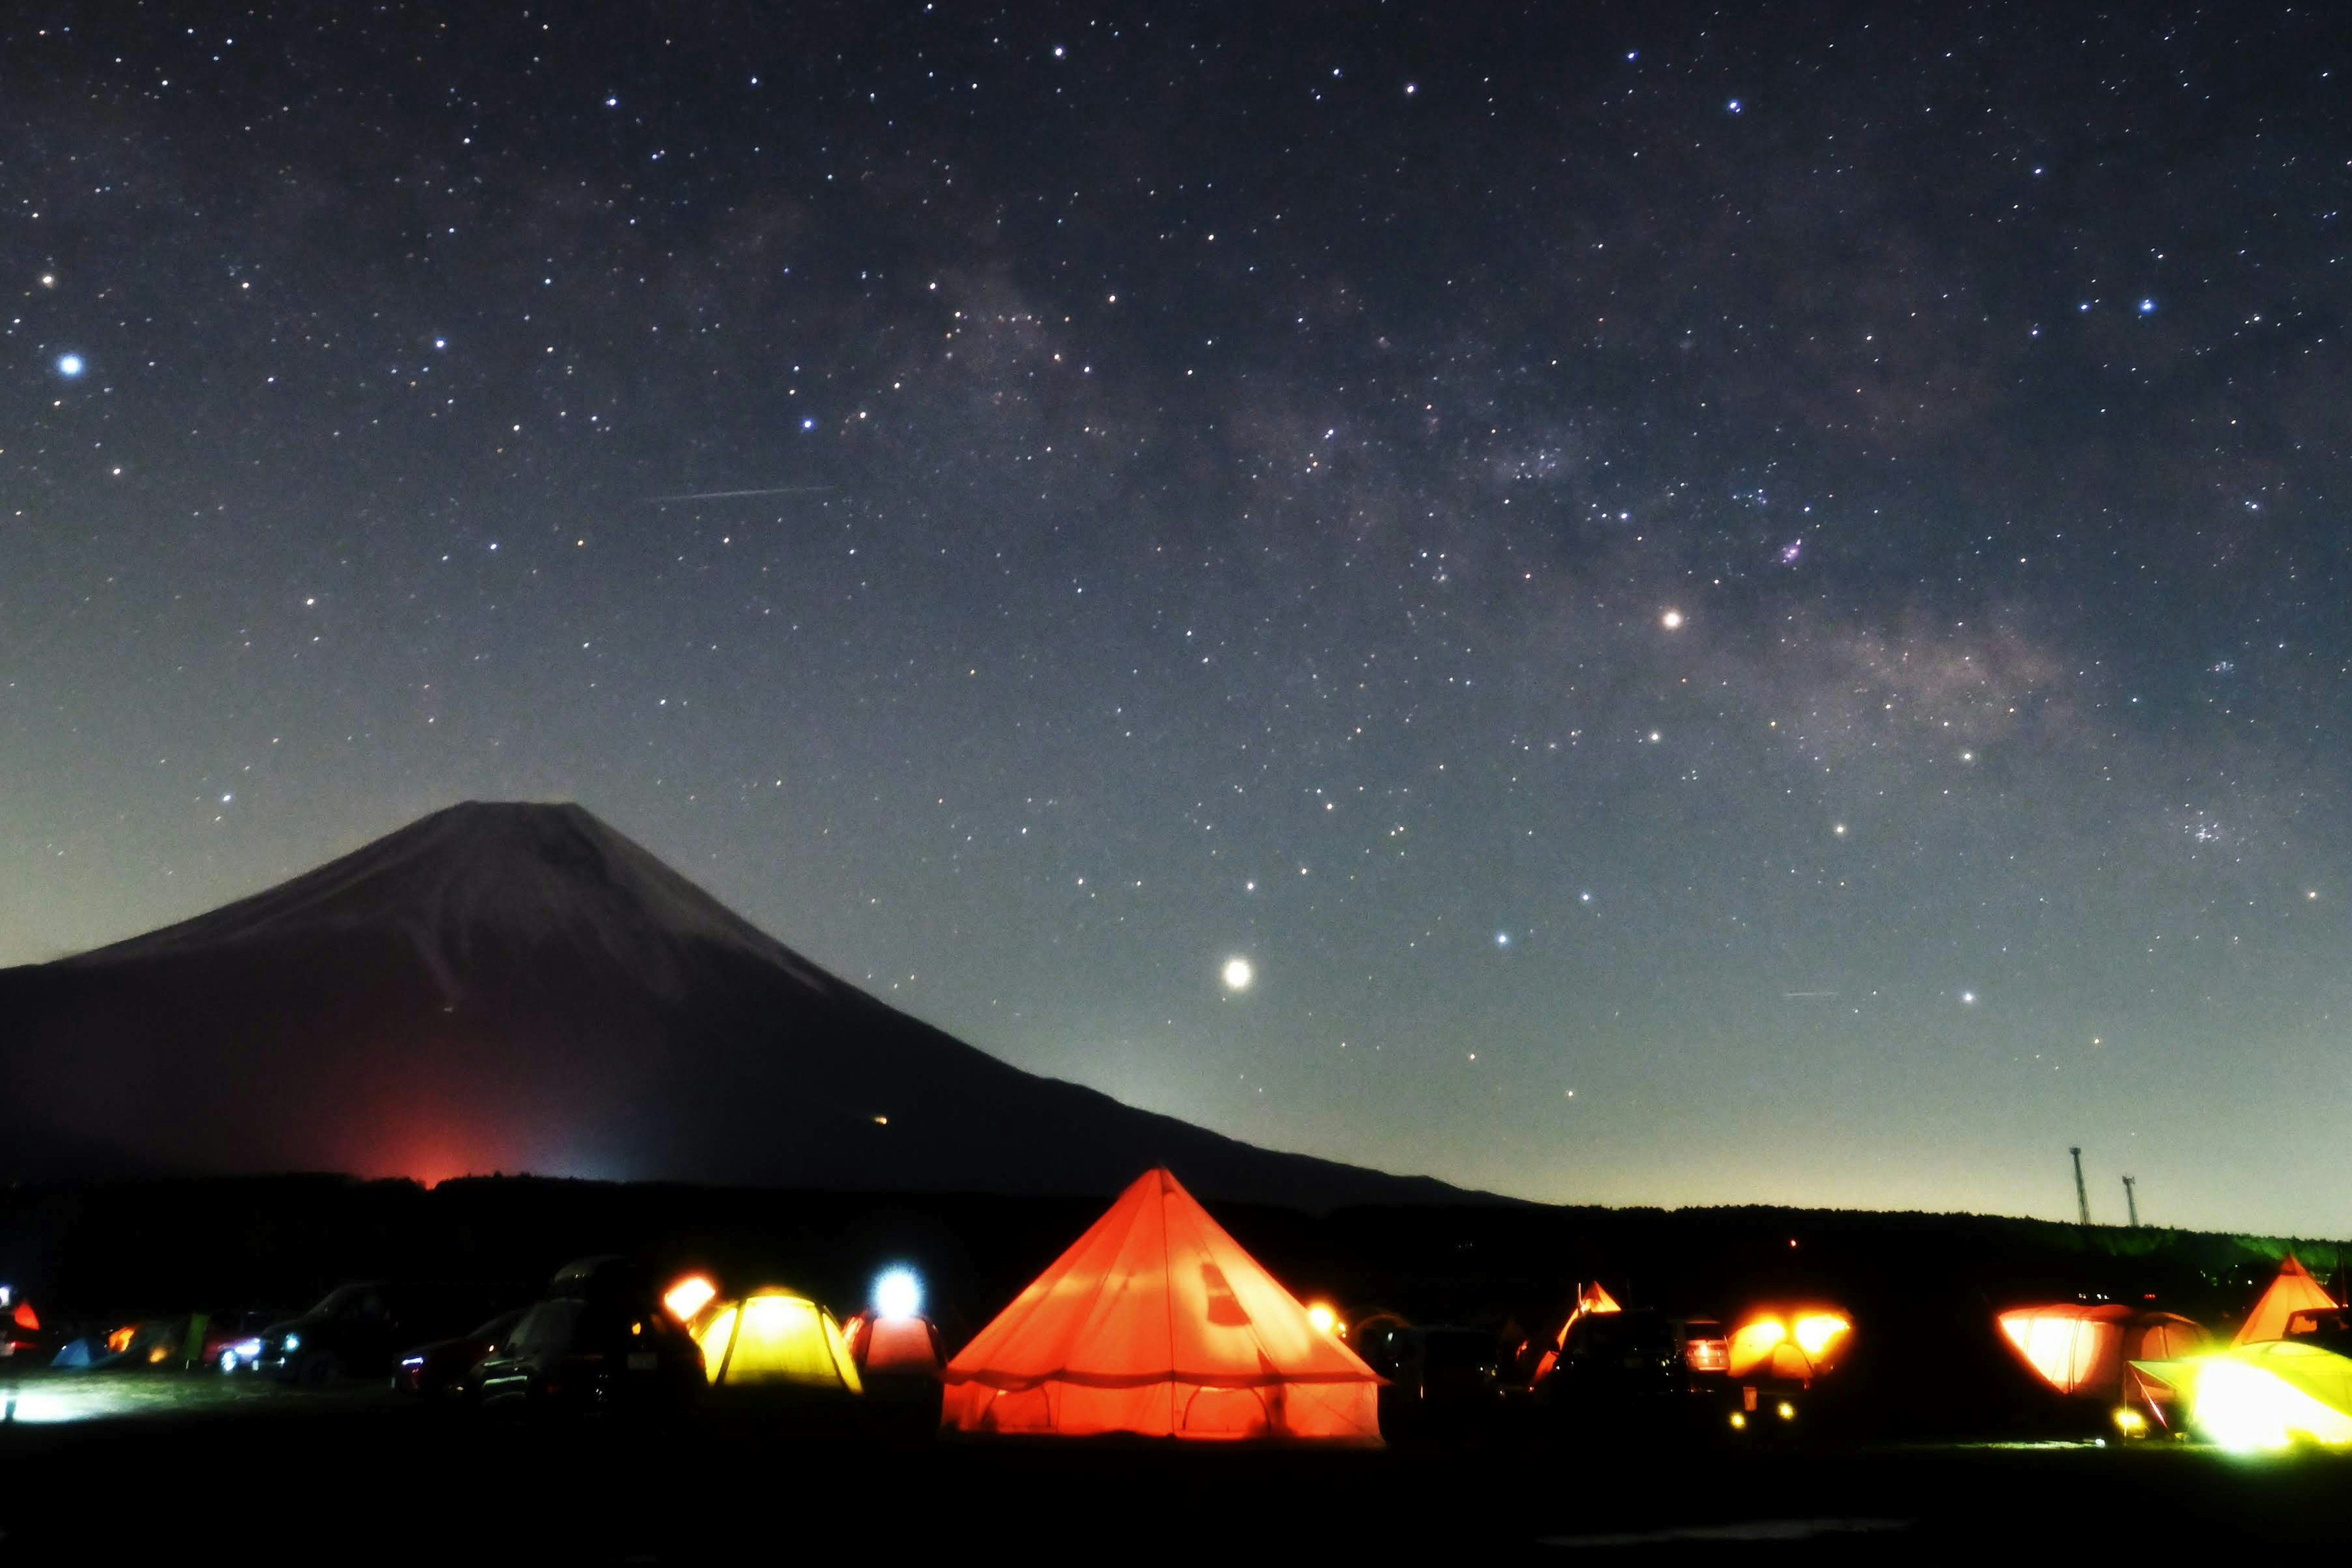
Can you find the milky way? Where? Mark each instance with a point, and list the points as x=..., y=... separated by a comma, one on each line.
x=1717, y=609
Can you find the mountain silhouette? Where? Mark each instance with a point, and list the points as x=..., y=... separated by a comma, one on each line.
x=519, y=987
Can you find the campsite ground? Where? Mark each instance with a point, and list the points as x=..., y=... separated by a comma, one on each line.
x=97, y=1465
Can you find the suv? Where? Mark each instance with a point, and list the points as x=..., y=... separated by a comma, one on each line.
x=358, y=1330
x=593, y=1353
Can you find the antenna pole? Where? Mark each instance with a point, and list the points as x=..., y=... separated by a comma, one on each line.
x=2131, y=1201
x=2082, y=1193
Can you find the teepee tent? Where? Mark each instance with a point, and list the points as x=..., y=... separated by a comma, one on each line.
x=1590, y=1299
x=774, y=1336
x=1156, y=1322
x=2294, y=1290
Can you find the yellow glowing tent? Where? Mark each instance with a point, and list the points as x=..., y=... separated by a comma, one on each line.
x=2294, y=1290
x=774, y=1336
x=2264, y=1395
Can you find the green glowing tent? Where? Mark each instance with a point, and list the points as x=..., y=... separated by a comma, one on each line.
x=2266, y=1396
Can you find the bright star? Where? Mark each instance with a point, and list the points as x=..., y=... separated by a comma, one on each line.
x=1969, y=999
x=2148, y=307
x=1671, y=620
x=1733, y=106
x=1502, y=939
x=69, y=365
x=1238, y=974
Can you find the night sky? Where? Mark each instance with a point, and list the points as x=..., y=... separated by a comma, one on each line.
x=1725, y=606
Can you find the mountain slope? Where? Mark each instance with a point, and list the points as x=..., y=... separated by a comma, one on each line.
x=519, y=987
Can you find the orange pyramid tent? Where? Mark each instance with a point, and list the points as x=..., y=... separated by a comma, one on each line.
x=2294, y=1290
x=1156, y=1322
x=1590, y=1299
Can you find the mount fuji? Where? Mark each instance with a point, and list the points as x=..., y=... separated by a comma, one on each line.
x=519, y=987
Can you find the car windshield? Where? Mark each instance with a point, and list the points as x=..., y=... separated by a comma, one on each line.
x=496, y=1327
x=546, y=1327
x=338, y=1302
x=1617, y=1331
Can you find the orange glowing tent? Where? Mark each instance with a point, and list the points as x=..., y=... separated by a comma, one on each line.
x=2294, y=1290
x=1589, y=1299
x=1796, y=1344
x=905, y=1346
x=2083, y=1347
x=1156, y=1322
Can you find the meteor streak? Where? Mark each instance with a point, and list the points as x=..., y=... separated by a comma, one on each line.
x=738, y=495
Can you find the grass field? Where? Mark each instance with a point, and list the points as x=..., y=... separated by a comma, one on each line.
x=105, y=1467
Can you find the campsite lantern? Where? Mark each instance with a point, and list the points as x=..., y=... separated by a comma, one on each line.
x=688, y=1297
x=897, y=1293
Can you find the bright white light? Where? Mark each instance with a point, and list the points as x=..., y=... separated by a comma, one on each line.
x=1238, y=974
x=1815, y=1330
x=2148, y=307
x=69, y=365
x=1322, y=1316
x=1671, y=620
x=897, y=1293
x=1969, y=999
x=2248, y=1408
x=1502, y=939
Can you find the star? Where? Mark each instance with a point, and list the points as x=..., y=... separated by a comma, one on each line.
x=69, y=365
x=1238, y=974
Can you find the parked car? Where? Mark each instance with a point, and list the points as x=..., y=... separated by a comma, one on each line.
x=444, y=1368
x=358, y=1330
x=594, y=1352
x=1613, y=1358
x=232, y=1340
